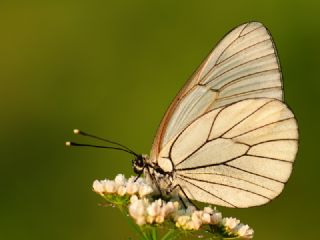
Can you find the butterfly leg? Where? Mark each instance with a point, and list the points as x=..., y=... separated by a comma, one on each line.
x=154, y=180
x=139, y=175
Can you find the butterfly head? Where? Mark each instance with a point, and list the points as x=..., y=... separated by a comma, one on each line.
x=139, y=163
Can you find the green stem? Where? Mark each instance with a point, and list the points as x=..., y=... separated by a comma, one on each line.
x=133, y=225
x=170, y=235
x=154, y=233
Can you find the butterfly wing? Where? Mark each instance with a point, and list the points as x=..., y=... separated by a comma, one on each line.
x=243, y=65
x=238, y=155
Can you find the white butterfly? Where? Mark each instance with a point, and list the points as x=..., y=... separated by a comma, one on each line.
x=227, y=138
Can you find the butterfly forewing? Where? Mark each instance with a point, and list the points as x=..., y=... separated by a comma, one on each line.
x=243, y=65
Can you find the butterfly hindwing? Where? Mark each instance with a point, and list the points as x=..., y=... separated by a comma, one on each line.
x=242, y=158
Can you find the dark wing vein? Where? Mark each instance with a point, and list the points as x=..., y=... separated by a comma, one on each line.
x=225, y=185
x=197, y=149
x=191, y=107
x=225, y=49
x=275, y=140
x=226, y=164
x=243, y=30
x=265, y=125
x=202, y=145
x=224, y=175
x=270, y=158
x=172, y=145
x=214, y=119
x=230, y=160
x=248, y=92
x=232, y=42
x=249, y=31
x=236, y=124
x=210, y=165
x=243, y=49
x=239, y=65
x=239, y=79
x=207, y=191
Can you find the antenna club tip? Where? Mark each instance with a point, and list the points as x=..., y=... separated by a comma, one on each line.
x=76, y=131
x=68, y=144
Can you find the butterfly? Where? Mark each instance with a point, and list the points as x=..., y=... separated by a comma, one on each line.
x=227, y=138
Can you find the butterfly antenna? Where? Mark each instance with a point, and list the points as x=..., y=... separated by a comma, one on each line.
x=78, y=132
x=69, y=144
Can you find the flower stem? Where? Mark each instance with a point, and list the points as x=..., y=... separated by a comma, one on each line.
x=136, y=228
x=170, y=235
x=154, y=233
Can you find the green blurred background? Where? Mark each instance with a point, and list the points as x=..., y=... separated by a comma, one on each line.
x=112, y=68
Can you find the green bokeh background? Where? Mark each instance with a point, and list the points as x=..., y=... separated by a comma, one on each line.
x=112, y=68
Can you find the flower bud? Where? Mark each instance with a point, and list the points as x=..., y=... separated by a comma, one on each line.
x=98, y=187
x=120, y=180
x=109, y=186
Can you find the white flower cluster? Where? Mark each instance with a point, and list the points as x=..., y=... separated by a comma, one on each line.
x=144, y=210
x=234, y=226
x=192, y=219
x=121, y=186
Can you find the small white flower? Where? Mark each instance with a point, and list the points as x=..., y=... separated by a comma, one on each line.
x=120, y=180
x=159, y=219
x=134, y=198
x=195, y=225
x=170, y=208
x=206, y=218
x=244, y=231
x=137, y=210
x=121, y=190
x=132, y=188
x=154, y=208
x=109, y=186
x=121, y=186
x=192, y=225
x=144, y=190
x=98, y=187
x=150, y=219
x=216, y=218
x=141, y=220
x=230, y=222
x=196, y=216
x=182, y=221
x=131, y=179
x=208, y=210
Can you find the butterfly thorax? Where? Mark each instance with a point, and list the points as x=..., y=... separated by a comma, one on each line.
x=160, y=180
x=154, y=174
